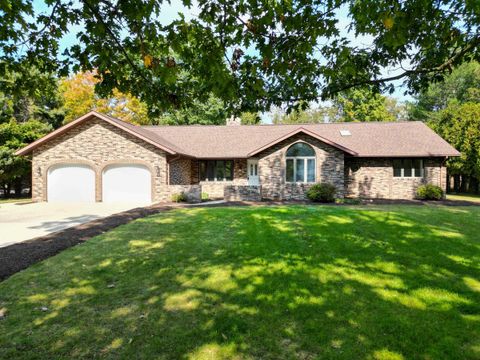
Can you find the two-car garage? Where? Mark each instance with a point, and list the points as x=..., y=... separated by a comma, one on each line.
x=119, y=183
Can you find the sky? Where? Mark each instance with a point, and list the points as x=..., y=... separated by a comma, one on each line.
x=171, y=11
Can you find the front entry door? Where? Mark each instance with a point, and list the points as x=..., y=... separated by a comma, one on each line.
x=253, y=178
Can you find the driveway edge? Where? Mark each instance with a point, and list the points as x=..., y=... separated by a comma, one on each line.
x=19, y=256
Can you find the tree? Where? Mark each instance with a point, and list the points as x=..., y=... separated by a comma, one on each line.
x=399, y=110
x=361, y=105
x=451, y=109
x=459, y=124
x=78, y=93
x=30, y=106
x=250, y=118
x=210, y=112
x=309, y=116
x=462, y=85
x=28, y=94
x=251, y=54
x=352, y=105
x=15, y=170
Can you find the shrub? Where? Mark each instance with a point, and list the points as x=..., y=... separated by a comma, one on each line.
x=180, y=197
x=323, y=192
x=205, y=196
x=429, y=192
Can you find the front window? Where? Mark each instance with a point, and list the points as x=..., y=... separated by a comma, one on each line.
x=300, y=165
x=216, y=170
x=408, y=168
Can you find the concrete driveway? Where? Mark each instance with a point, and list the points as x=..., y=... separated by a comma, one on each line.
x=24, y=221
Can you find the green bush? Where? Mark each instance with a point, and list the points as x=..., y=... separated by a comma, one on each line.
x=180, y=197
x=205, y=196
x=429, y=192
x=323, y=192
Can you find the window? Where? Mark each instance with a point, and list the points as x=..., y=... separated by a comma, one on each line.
x=253, y=169
x=216, y=170
x=408, y=168
x=300, y=166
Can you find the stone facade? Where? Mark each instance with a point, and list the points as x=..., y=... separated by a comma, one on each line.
x=97, y=144
x=272, y=168
x=193, y=193
x=373, y=178
x=242, y=193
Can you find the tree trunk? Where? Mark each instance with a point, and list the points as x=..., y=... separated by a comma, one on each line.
x=18, y=187
x=6, y=191
x=456, y=183
x=474, y=185
x=463, y=183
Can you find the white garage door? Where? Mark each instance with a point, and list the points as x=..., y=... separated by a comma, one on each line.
x=127, y=183
x=71, y=183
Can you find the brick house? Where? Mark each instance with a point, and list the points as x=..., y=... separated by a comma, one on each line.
x=100, y=158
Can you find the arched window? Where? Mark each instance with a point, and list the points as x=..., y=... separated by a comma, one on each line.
x=300, y=163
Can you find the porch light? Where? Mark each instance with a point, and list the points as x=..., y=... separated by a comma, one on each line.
x=157, y=170
x=39, y=171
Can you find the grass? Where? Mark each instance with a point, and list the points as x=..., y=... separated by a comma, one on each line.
x=298, y=282
x=15, y=200
x=464, y=197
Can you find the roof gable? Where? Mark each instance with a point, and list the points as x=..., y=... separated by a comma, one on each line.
x=301, y=130
x=136, y=131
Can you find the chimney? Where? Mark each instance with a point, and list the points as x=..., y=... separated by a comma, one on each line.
x=234, y=121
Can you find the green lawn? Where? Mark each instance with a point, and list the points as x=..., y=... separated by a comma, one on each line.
x=464, y=197
x=15, y=200
x=298, y=282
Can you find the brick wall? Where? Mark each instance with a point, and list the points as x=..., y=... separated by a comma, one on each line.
x=98, y=144
x=192, y=192
x=272, y=167
x=242, y=193
x=373, y=178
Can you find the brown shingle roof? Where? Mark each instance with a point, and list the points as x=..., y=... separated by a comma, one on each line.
x=374, y=139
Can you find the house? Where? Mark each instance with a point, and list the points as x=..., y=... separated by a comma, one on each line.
x=100, y=158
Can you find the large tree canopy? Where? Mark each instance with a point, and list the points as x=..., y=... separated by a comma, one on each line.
x=252, y=54
x=462, y=85
x=452, y=109
x=78, y=94
x=27, y=94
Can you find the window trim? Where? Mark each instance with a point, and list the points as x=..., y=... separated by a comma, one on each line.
x=305, y=166
x=206, y=179
x=402, y=168
x=305, y=169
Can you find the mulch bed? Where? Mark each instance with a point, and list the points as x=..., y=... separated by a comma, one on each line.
x=16, y=257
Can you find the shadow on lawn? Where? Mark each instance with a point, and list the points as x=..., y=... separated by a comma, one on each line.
x=271, y=283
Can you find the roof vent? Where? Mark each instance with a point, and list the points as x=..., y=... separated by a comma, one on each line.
x=345, y=133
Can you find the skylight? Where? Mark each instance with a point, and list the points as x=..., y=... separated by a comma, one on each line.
x=345, y=133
